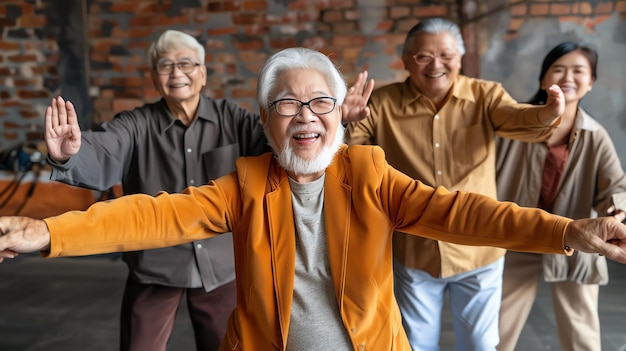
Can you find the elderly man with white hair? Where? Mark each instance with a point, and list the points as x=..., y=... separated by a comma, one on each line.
x=312, y=223
x=181, y=140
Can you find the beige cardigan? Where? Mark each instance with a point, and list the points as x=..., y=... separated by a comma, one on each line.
x=592, y=174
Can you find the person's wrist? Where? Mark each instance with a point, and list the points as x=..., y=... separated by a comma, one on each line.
x=55, y=161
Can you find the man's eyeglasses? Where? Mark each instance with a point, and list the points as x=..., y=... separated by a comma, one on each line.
x=291, y=107
x=422, y=59
x=185, y=66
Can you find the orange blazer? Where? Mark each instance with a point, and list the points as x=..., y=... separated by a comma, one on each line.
x=365, y=200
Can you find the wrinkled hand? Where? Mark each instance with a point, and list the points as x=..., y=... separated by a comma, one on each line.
x=354, y=106
x=555, y=104
x=22, y=234
x=605, y=235
x=62, y=131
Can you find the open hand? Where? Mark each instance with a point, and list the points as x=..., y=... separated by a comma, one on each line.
x=354, y=106
x=62, y=131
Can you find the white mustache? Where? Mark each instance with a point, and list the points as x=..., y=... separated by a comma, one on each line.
x=298, y=129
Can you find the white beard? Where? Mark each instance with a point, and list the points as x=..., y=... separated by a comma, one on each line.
x=291, y=162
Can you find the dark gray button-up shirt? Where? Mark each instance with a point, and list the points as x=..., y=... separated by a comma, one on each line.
x=148, y=150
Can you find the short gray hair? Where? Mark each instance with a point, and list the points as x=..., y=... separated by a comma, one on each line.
x=434, y=25
x=172, y=40
x=296, y=58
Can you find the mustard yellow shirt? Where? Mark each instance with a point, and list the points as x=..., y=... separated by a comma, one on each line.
x=453, y=147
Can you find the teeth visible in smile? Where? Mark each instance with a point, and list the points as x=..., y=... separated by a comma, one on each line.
x=436, y=75
x=306, y=136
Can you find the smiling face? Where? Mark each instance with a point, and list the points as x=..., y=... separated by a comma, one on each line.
x=306, y=143
x=573, y=74
x=435, y=78
x=178, y=87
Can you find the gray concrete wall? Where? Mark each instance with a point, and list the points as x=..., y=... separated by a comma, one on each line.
x=517, y=63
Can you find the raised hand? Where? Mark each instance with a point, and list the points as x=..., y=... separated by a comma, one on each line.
x=62, y=131
x=555, y=104
x=605, y=235
x=354, y=106
x=22, y=234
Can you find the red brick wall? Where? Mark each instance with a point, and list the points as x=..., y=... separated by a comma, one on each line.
x=238, y=36
x=28, y=73
x=587, y=13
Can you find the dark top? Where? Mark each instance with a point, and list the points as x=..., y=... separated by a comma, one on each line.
x=148, y=150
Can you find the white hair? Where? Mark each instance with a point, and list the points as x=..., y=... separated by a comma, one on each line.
x=434, y=25
x=298, y=58
x=172, y=40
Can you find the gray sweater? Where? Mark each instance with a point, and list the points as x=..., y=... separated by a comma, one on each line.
x=315, y=321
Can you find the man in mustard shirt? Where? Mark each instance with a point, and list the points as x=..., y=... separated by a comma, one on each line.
x=439, y=127
x=312, y=223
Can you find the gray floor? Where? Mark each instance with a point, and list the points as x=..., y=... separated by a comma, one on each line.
x=73, y=304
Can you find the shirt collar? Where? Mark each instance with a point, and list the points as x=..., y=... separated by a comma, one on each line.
x=410, y=93
x=461, y=90
x=584, y=121
x=205, y=111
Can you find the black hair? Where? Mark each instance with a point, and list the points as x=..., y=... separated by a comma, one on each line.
x=541, y=96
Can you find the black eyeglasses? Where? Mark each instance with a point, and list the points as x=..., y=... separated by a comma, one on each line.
x=291, y=107
x=166, y=67
x=423, y=59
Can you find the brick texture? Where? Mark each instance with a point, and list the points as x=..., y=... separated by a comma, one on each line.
x=238, y=37
x=589, y=13
x=28, y=74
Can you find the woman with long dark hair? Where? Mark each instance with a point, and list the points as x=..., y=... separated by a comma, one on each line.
x=573, y=174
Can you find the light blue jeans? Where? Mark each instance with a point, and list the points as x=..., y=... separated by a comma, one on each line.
x=475, y=298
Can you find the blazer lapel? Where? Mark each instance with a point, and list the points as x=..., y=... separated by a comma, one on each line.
x=337, y=204
x=282, y=244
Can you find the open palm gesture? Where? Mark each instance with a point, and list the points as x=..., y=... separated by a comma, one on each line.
x=62, y=131
x=354, y=106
